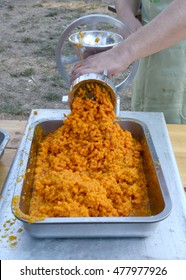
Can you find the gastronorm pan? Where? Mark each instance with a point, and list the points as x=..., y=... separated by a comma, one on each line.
x=4, y=139
x=77, y=227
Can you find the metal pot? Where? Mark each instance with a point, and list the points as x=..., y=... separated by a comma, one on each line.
x=101, y=79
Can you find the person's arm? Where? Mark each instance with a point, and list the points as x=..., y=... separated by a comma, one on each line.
x=166, y=29
x=126, y=12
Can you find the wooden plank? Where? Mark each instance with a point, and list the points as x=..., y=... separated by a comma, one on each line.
x=16, y=129
x=177, y=135
x=5, y=164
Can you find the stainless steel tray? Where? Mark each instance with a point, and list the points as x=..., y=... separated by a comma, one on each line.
x=94, y=226
x=156, y=247
x=4, y=139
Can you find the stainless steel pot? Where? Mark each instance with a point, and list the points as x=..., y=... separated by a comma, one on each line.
x=101, y=79
x=90, y=42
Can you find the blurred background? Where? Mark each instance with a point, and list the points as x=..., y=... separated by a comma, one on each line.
x=30, y=31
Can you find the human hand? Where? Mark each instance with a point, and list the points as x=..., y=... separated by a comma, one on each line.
x=111, y=60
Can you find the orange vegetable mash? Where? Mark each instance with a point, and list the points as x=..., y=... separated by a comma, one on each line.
x=90, y=167
x=97, y=40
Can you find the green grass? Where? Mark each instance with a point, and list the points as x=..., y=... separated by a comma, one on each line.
x=52, y=96
x=10, y=7
x=2, y=49
x=52, y=14
x=39, y=5
x=12, y=108
x=57, y=81
x=29, y=40
x=47, y=50
x=25, y=73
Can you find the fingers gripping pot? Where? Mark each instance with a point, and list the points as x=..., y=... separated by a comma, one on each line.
x=90, y=42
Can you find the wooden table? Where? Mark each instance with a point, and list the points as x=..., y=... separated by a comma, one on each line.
x=16, y=128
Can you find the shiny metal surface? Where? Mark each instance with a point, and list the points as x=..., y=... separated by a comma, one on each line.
x=86, y=227
x=91, y=42
x=101, y=79
x=166, y=242
x=93, y=20
x=4, y=139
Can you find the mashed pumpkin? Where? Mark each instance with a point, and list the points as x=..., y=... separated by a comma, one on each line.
x=90, y=167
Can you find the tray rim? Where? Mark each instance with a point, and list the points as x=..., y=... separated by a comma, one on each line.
x=100, y=220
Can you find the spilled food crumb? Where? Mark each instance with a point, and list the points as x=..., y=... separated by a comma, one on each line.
x=9, y=235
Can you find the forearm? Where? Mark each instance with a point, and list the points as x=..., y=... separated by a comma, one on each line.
x=126, y=8
x=166, y=29
x=126, y=11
